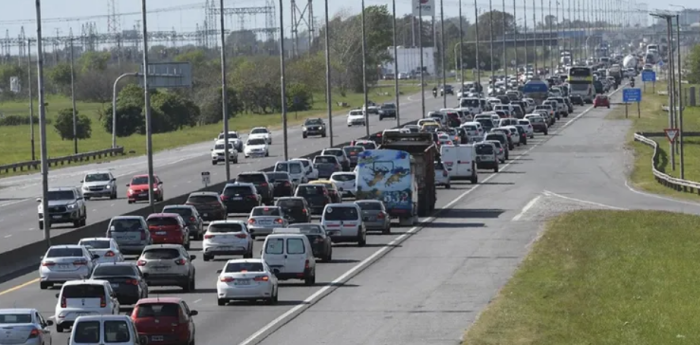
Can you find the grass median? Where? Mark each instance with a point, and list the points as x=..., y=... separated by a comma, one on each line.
x=15, y=141
x=654, y=119
x=601, y=277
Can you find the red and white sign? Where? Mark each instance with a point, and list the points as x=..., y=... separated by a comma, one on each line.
x=671, y=134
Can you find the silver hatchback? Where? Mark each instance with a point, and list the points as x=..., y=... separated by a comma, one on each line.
x=374, y=215
x=167, y=265
x=130, y=232
x=264, y=219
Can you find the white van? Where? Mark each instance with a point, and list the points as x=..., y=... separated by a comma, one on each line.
x=105, y=329
x=460, y=162
x=288, y=253
x=346, y=217
x=84, y=297
x=296, y=171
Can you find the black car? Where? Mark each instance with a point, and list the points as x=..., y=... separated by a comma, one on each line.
x=576, y=99
x=240, y=197
x=261, y=183
x=126, y=280
x=281, y=182
x=569, y=104
x=387, y=110
x=320, y=238
x=189, y=213
x=313, y=126
x=447, y=89
x=316, y=196
x=295, y=208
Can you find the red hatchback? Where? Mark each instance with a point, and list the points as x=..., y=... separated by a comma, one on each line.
x=601, y=101
x=138, y=189
x=164, y=320
x=168, y=228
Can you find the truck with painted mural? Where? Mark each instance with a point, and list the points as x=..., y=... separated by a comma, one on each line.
x=401, y=174
x=536, y=89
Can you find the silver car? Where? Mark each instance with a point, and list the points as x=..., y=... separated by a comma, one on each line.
x=167, y=265
x=24, y=327
x=263, y=219
x=130, y=232
x=63, y=263
x=374, y=215
x=99, y=184
x=105, y=248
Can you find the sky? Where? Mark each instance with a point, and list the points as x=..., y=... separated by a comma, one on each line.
x=17, y=13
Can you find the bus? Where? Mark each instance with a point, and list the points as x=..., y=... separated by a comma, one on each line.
x=580, y=79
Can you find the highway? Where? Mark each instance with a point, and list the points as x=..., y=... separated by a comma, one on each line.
x=473, y=211
x=179, y=168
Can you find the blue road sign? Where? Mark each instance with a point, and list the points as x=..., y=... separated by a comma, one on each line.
x=648, y=76
x=631, y=95
x=661, y=62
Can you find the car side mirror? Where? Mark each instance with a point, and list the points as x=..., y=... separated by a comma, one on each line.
x=192, y=257
x=160, y=182
x=95, y=256
x=128, y=184
x=219, y=271
x=81, y=181
x=57, y=294
x=113, y=180
x=49, y=323
x=194, y=313
x=146, y=275
x=38, y=199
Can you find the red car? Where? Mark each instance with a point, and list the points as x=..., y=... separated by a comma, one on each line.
x=164, y=320
x=138, y=189
x=601, y=101
x=168, y=228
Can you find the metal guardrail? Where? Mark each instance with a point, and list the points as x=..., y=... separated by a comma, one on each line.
x=661, y=177
x=81, y=157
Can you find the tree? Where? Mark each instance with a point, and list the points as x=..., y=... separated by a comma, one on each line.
x=93, y=61
x=210, y=105
x=64, y=125
x=95, y=86
x=693, y=64
x=59, y=75
x=129, y=119
x=485, y=27
x=299, y=97
x=177, y=112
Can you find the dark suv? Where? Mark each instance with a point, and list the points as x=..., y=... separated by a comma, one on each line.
x=295, y=208
x=261, y=183
x=66, y=205
x=316, y=196
x=314, y=126
x=281, y=182
x=208, y=204
x=240, y=197
x=191, y=217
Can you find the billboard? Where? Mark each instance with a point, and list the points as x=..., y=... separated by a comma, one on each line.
x=426, y=8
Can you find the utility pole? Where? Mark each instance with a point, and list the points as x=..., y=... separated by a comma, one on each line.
x=526, y=33
x=364, y=70
x=442, y=54
x=515, y=39
x=147, y=102
x=283, y=83
x=224, y=96
x=396, y=60
x=505, y=49
x=45, y=221
x=461, y=50
x=72, y=96
x=329, y=102
x=478, y=60
x=420, y=45
x=31, y=98
x=680, y=93
x=493, y=72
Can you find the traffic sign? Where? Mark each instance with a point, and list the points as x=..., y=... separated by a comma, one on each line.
x=631, y=95
x=513, y=62
x=206, y=179
x=648, y=76
x=671, y=134
x=661, y=62
x=482, y=64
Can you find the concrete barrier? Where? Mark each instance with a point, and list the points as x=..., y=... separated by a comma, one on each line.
x=23, y=258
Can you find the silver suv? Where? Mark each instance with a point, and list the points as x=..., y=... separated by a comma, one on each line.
x=130, y=232
x=167, y=265
x=66, y=205
x=99, y=184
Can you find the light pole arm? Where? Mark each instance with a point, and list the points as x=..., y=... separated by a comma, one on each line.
x=114, y=106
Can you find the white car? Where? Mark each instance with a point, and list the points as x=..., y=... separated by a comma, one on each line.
x=442, y=177
x=105, y=248
x=218, y=152
x=350, y=216
x=227, y=237
x=84, y=297
x=262, y=133
x=514, y=134
x=232, y=137
x=256, y=147
x=246, y=279
x=64, y=263
x=345, y=181
x=527, y=127
x=356, y=117
x=311, y=171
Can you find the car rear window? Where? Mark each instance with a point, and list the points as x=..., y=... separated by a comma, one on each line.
x=325, y=159
x=304, y=162
x=125, y=225
x=236, y=267
x=87, y=332
x=295, y=246
x=290, y=203
x=310, y=190
x=83, y=291
x=64, y=252
x=198, y=199
x=308, y=228
x=372, y=146
x=15, y=318
x=266, y=211
x=484, y=149
x=225, y=227
x=114, y=270
x=251, y=178
x=333, y=152
x=184, y=212
x=370, y=206
x=343, y=177
x=274, y=246
x=116, y=332
x=340, y=213
x=95, y=244
x=238, y=190
x=158, y=310
x=162, y=221
x=277, y=176
x=161, y=254
x=353, y=150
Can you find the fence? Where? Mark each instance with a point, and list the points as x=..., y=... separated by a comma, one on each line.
x=661, y=177
x=81, y=157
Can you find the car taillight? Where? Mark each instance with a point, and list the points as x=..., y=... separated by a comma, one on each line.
x=224, y=198
x=381, y=215
x=103, y=302
x=303, y=210
x=132, y=282
x=261, y=279
x=48, y=263
x=252, y=197
x=143, y=235
x=79, y=262
x=287, y=184
x=444, y=173
x=263, y=184
x=306, y=264
x=279, y=221
x=226, y=279
x=192, y=219
x=109, y=254
x=251, y=221
x=319, y=240
x=63, y=302
x=241, y=235
x=141, y=263
x=180, y=262
x=34, y=333
x=206, y=237
x=325, y=192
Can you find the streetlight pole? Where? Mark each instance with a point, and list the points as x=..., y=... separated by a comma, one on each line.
x=680, y=93
x=420, y=49
x=442, y=53
x=364, y=70
x=526, y=33
x=396, y=60
x=478, y=62
x=46, y=223
x=72, y=96
x=114, y=107
x=224, y=96
x=461, y=50
x=515, y=39
x=493, y=72
x=31, y=98
x=283, y=84
x=147, y=104
x=505, y=50
x=329, y=102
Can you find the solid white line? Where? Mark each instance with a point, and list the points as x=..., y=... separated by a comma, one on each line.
x=526, y=208
x=548, y=193
x=197, y=301
x=311, y=300
x=659, y=196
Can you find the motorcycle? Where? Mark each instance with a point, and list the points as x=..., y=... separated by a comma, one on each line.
x=435, y=93
x=632, y=83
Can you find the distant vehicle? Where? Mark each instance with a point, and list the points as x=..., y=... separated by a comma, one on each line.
x=232, y=138
x=66, y=205
x=105, y=329
x=150, y=314
x=218, y=153
x=138, y=189
x=601, y=101
x=261, y=133
x=313, y=126
x=227, y=237
x=105, y=248
x=168, y=265
x=83, y=297
x=126, y=280
x=25, y=326
x=356, y=117
x=64, y=263
x=256, y=148
x=387, y=110
x=99, y=184
x=263, y=219
x=246, y=279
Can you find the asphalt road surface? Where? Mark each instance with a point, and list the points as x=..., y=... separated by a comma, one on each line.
x=179, y=168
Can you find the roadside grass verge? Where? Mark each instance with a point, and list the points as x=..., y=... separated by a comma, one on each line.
x=15, y=141
x=601, y=277
x=654, y=119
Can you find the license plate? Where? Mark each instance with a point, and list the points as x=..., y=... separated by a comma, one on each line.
x=237, y=198
x=366, y=219
x=205, y=215
x=160, y=232
x=56, y=217
x=64, y=266
x=265, y=222
x=242, y=282
x=157, y=338
x=225, y=248
x=162, y=268
x=143, y=194
x=115, y=285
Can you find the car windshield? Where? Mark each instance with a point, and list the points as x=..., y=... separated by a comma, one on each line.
x=252, y=178
x=61, y=195
x=64, y=252
x=340, y=213
x=139, y=180
x=148, y=310
x=257, y=141
x=333, y=152
x=184, y=212
x=277, y=176
x=6, y=319
x=125, y=224
x=343, y=177
x=484, y=149
x=203, y=199
x=95, y=244
x=258, y=131
x=225, y=227
x=221, y=146
x=370, y=145
x=353, y=150
x=115, y=271
x=313, y=122
x=238, y=190
x=97, y=178
x=469, y=103
x=369, y=205
x=235, y=267
x=231, y=135
x=161, y=254
x=266, y=211
x=523, y=122
x=325, y=159
x=388, y=106
x=161, y=221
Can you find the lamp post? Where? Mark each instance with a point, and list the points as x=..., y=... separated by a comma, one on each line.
x=224, y=106
x=46, y=224
x=147, y=105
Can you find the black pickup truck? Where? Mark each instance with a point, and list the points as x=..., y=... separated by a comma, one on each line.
x=387, y=110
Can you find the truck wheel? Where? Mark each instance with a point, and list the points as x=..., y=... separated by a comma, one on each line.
x=495, y=169
x=447, y=186
x=304, y=135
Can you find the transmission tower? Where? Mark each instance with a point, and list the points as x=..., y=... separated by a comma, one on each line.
x=271, y=20
x=301, y=16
